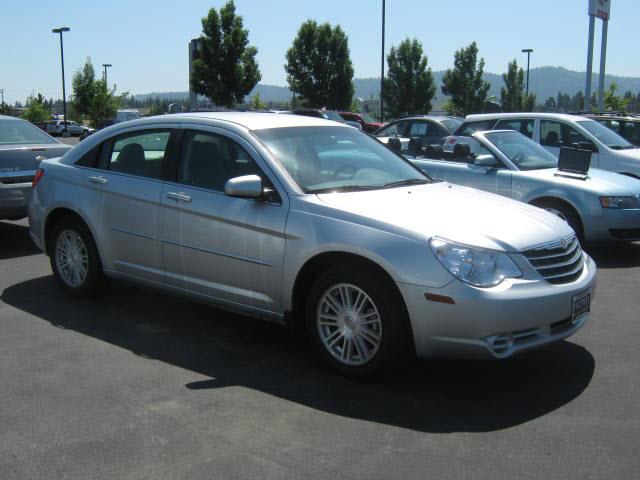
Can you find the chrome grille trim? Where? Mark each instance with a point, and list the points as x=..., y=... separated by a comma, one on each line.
x=556, y=263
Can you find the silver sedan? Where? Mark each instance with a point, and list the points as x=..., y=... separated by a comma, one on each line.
x=295, y=219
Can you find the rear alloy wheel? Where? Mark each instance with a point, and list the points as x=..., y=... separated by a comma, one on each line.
x=357, y=321
x=74, y=258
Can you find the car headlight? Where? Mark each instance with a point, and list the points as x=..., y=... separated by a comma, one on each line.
x=619, y=202
x=477, y=267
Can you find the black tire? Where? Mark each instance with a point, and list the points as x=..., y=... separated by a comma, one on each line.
x=94, y=281
x=395, y=346
x=566, y=212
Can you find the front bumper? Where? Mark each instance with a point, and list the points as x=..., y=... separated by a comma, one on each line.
x=498, y=322
x=14, y=200
x=613, y=225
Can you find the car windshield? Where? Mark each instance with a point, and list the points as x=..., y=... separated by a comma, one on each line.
x=327, y=159
x=368, y=118
x=331, y=115
x=451, y=124
x=522, y=151
x=610, y=138
x=17, y=132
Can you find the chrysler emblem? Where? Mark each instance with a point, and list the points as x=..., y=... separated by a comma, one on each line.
x=564, y=243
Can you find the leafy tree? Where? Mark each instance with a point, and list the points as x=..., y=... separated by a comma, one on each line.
x=319, y=67
x=226, y=69
x=612, y=101
x=36, y=110
x=512, y=94
x=409, y=87
x=83, y=86
x=256, y=103
x=464, y=83
x=104, y=103
x=529, y=102
x=550, y=103
x=5, y=109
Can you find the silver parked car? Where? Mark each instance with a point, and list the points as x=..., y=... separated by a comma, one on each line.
x=600, y=206
x=292, y=218
x=74, y=129
x=22, y=147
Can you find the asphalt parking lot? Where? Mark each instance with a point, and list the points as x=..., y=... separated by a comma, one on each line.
x=138, y=384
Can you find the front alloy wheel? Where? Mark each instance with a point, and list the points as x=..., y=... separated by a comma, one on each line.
x=349, y=324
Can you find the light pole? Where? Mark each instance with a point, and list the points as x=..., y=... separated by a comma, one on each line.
x=528, y=51
x=382, y=67
x=64, y=96
x=105, y=65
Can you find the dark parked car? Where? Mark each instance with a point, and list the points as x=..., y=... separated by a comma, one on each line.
x=430, y=129
x=366, y=121
x=319, y=113
x=625, y=125
x=22, y=147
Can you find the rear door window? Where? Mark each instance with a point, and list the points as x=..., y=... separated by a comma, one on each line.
x=522, y=125
x=557, y=134
x=139, y=153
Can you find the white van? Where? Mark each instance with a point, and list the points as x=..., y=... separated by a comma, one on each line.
x=126, y=115
x=554, y=130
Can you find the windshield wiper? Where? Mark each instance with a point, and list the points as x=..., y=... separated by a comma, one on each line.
x=406, y=182
x=620, y=147
x=345, y=188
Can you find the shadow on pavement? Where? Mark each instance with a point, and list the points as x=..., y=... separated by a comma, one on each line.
x=615, y=255
x=430, y=396
x=15, y=241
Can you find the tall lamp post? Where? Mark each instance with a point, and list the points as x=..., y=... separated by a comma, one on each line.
x=64, y=96
x=528, y=51
x=105, y=65
x=382, y=67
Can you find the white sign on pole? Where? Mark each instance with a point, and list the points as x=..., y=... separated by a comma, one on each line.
x=600, y=8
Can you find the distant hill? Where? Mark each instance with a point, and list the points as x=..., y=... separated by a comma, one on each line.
x=545, y=82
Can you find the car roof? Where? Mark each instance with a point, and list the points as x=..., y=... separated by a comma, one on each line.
x=248, y=120
x=8, y=117
x=545, y=115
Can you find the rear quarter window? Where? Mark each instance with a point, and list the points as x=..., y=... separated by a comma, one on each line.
x=469, y=128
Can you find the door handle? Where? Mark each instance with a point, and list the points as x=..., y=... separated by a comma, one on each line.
x=179, y=196
x=98, y=180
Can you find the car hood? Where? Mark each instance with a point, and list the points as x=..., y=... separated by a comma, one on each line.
x=599, y=182
x=632, y=153
x=460, y=214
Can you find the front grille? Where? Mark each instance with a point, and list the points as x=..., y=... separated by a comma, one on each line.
x=12, y=180
x=556, y=263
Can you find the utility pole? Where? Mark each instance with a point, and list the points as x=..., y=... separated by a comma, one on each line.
x=602, y=10
x=60, y=30
x=382, y=67
x=528, y=51
x=105, y=65
x=2, y=93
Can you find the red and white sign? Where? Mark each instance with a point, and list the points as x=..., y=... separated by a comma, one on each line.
x=600, y=8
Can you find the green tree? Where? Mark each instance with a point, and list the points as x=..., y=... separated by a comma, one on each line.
x=614, y=102
x=409, y=86
x=550, y=104
x=319, y=68
x=36, y=110
x=512, y=94
x=104, y=103
x=83, y=86
x=256, y=103
x=529, y=102
x=226, y=69
x=464, y=83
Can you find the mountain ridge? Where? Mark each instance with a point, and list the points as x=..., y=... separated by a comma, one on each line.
x=544, y=82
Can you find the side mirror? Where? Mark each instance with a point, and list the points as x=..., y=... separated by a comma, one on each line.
x=415, y=146
x=394, y=144
x=487, y=160
x=247, y=186
x=587, y=146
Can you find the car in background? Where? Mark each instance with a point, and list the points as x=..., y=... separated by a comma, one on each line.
x=429, y=129
x=625, y=125
x=22, y=147
x=555, y=130
x=56, y=128
x=290, y=218
x=327, y=115
x=126, y=114
x=600, y=206
x=366, y=121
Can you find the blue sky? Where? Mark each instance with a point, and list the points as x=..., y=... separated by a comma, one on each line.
x=146, y=41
